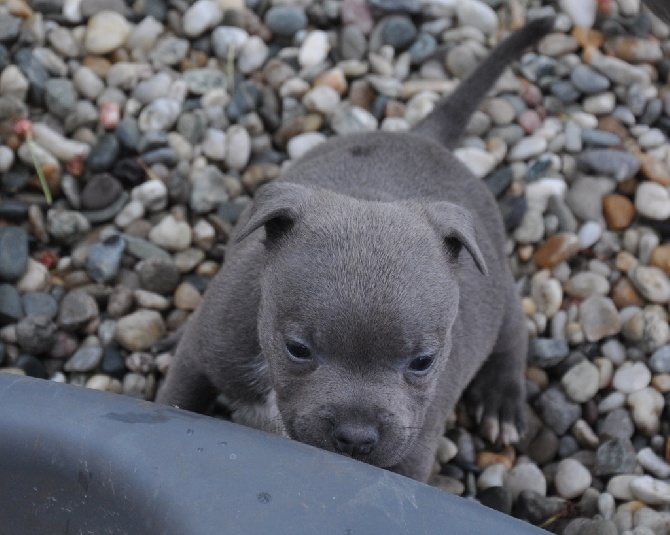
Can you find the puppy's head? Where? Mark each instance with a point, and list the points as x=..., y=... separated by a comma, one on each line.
x=358, y=301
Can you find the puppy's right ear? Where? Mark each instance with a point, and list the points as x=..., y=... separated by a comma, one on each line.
x=277, y=206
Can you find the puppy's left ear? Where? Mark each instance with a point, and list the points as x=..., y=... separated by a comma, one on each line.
x=277, y=206
x=454, y=224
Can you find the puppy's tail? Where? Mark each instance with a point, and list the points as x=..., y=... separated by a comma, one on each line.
x=448, y=121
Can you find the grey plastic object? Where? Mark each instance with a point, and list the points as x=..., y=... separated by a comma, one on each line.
x=74, y=460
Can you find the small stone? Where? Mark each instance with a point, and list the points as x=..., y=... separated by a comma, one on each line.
x=546, y=352
x=587, y=283
x=160, y=114
x=478, y=15
x=496, y=497
x=85, y=359
x=653, y=201
x=447, y=484
x=158, y=275
x=321, y=99
x=650, y=490
x=599, y=318
x=13, y=253
x=39, y=304
x=35, y=279
x=314, y=49
x=238, y=147
x=398, y=31
x=647, y=405
x=100, y=191
x=616, y=456
x=557, y=249
x=556, y=410
x=106, y=31
x=301, y=144
x=76, y=310
x=187, y=297
x=660, y=360
x=150, y=300
x=619, y=211
x=352, y=119
x=653, y=463
x=60, y=97
x=252, y=55
x=581, y=12
x=631, y=377
x=588, y=81
x=103, y=260
x=152, y=194
x=581, y=383
x=547, y=294
x=652, y=283
x=201, y=16
x=479, y=161
x=526, y=148
x=208, y=189
x=525, y=477
x=285, y=21
x=571, y=479
x=140, y=331
x=615, y=163
x=171, y=234
x=35, y=334
x=531, y=228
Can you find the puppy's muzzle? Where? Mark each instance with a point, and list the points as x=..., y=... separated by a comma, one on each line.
x=355, y=439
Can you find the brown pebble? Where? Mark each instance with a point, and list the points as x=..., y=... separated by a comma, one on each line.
x=487, y=458
x=587, y=37
x=653, y=169
x=99, y=65
x=660, y=258
x=333, y=78
x=525, y=252
x=613, y=126
x=394, y=108
x=625, y=261
x=661, y=382
x=537, y=376
x=619, y=211
x=557, y=249
x=361, y=94
x=258, y=174
x=186, y=296
x=625, y=295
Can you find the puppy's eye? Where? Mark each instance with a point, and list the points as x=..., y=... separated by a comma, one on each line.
x=298, y=351
x=421, y=365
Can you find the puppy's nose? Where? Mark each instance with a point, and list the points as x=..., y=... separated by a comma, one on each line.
x=355, y=439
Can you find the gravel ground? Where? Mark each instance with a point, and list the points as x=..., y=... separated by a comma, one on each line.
x=154, y=122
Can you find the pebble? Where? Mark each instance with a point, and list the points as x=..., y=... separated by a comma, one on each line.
x=35, y=334
x=477, y=15
x=588, y=81
x=571, y=479
x=171, y=234
x=13, y=253
x=556, y=410
x=650, y=490
x=653, y=463
x=85, y=359
x=252, y=55
x=76, y=309
x=631, y=377
x=106, y=31
x=652, y=283
x=582, y=13
x=208, y=189
x=314, y=49
x=599, y=318
x=140, y=330
x=659, y=362
x=653, y=201
x=615, y=456
x=285, y=21
x=581, y=382
x=525, y=477
x=104, y=258
x=152, y=194
x=527, y=148
x=158, y=274
x=585, y=284
x=557, y=249
x=201, y=16
x=301, y=144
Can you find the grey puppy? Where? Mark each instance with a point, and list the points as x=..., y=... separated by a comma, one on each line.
x=363, y=291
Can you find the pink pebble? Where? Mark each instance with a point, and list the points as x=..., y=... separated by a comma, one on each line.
x=530, y=121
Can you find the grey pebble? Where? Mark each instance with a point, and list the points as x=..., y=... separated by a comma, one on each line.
x=398, y=31
x=588, y=81
x=76, y=309
x=547, y=352
x=616, y=456
x=100, y=191
x=159, y=275
x=104, y=154
x=35, y=334
x=32, y=366
x=13, y=253
x=60, y=96
x=285, y=21
x=616, y=424
x=104, y=258
x=86, y=359
x=39, y=304
x=556, y=410
x=11, y=309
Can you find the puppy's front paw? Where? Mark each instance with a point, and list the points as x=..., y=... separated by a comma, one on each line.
x=496, y=400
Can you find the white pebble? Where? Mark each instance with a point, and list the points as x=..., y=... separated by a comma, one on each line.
x=526, y=476
x=252, y=55
x=600, y=104
x=200, y=17
x=303, y=143
x=238, y=147
x=132, y=211
x=582, y=12
x=539, y=192
x=653, y=463
x=61, y=147
x=571, y=479
x=152, y=194
x=581, y=382
x=589, y=234
x=477, y=14
x=314, y=49
x=653, y=201
x=479, y=161
x=631, y=377
x=650, y=490
x=106, y=31
x=171, y=234
x=322, y=99
x=214, y=144
x=647, y=405
x=492, y=476
x=526, y=148
x=6, y=158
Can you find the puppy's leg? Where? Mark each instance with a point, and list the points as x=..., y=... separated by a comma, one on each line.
x=497, y=393
x=186, y=387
